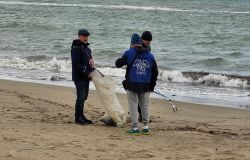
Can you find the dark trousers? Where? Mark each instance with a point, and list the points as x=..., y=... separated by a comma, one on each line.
x=82, y=91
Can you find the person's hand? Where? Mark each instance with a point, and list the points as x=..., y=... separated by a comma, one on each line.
x=91, y=63
x=90, y=76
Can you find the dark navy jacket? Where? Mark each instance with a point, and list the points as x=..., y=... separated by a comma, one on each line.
x=80, y=56
x=140, y=76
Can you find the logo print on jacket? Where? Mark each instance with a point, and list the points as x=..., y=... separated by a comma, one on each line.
x=141, y=66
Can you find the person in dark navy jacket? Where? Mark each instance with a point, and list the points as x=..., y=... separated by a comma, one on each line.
x=82, y=66
x=146, y=38
x=140, y=80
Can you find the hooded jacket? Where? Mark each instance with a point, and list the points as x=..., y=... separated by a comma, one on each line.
x=141, y=71
x=80, y=56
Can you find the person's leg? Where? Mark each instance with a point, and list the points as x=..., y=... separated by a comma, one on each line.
x=144, y=104
x=79, y=105
x=85, y=96
x=86, y=92
x=79, y=102
x=133, y=105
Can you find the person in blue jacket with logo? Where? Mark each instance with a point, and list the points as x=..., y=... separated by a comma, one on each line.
x=140, y=80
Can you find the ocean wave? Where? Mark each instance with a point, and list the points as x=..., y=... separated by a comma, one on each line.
x=221, y=80
x=37, y=58
x=121, y=7
x=206, y=43
x=246, y=38
x=53, y=64
x=116, y=72
x=57, y=78
x=204, y=78
x=9, y=25
x=56, y=65
x=213, y=61
x=210, y=79
x=174, y=76
x=37, y=63
x=236, y=54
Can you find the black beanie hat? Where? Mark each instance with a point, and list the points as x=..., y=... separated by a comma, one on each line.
x=147, y=36
x=83, y=32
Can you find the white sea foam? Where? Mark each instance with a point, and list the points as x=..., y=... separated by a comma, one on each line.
x=52, y=64
x=173, y=76
x=55, y=65
x=216, y=80
x=49, y=71
x=221, y=80
x=121, y=7
x=49, y=65
x=117, y=72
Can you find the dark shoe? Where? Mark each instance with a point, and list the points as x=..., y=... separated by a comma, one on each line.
x=87, y=120
x=81, y=121
x=145, y=131
x=133, y=132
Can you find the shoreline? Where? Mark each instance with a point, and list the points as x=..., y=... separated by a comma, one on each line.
x=36, y=122
x=182, y=99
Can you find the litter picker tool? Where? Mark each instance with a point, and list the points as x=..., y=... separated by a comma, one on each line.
x=100, y=72
x=167, y=98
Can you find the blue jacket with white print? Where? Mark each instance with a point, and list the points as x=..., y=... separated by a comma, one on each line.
x=141, y=71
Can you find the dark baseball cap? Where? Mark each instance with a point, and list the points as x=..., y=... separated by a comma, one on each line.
x=83, y=32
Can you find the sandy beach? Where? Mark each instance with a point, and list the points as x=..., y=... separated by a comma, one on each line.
x=36, y=123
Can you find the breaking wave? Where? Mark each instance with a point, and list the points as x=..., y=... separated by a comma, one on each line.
x=121, y=7
x=37, y=63
x=57, y=65
x=210, y=79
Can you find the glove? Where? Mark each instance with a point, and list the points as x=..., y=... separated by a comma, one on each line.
x=152, y=87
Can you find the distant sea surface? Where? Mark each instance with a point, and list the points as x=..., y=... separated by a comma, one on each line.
x=202, y=47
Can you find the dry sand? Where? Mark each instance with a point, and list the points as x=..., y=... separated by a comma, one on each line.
x=36, y=123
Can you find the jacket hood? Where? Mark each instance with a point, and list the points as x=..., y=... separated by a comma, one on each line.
x=77, y=42
x=142, y=50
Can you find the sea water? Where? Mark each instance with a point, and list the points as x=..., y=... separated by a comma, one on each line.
x=201, y=47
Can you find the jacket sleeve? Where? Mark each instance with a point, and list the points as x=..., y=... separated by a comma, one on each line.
x=120, y=62
x=154, y=76
x=89, y=68
x=76, y=60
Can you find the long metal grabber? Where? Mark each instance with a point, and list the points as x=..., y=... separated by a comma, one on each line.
x=167, y=98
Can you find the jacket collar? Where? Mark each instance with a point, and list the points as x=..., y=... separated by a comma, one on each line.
x=77, y=42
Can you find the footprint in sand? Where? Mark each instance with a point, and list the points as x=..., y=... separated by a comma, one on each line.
x=112, y=145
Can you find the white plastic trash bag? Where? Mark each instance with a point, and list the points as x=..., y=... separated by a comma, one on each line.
x=105, y=86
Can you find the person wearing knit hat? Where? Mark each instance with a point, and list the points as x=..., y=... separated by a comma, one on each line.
x=135, y=40
x=140, y=80
x=147, y=35
x=146, y=39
